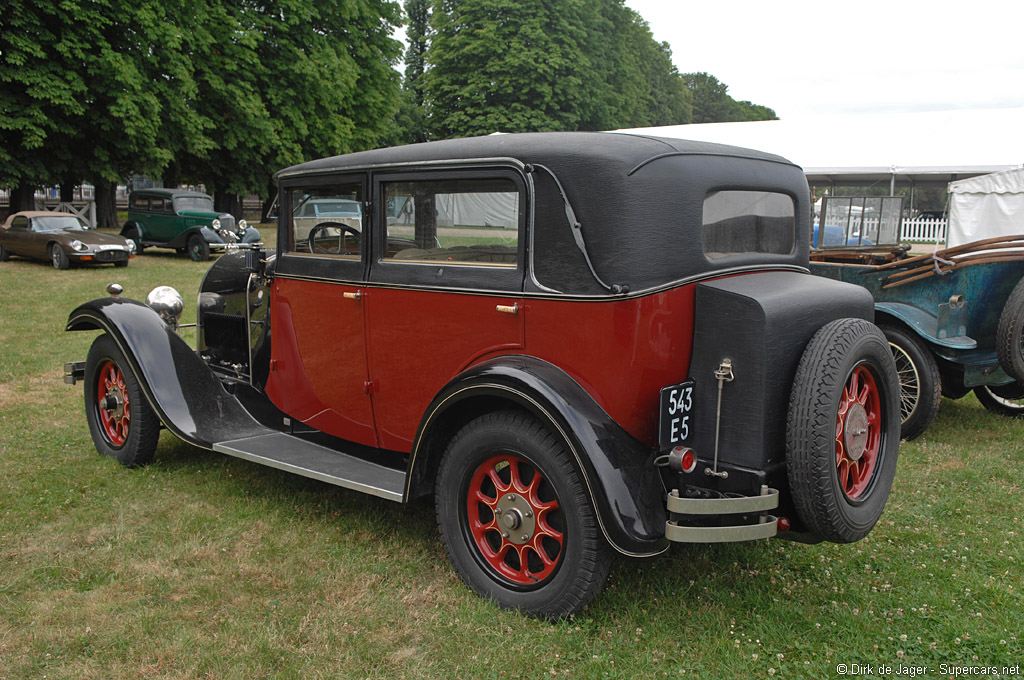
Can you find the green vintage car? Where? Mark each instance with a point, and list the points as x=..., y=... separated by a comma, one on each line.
x=186, y=221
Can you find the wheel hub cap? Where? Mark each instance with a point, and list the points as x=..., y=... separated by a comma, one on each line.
x=856, y=431
x=517, y=518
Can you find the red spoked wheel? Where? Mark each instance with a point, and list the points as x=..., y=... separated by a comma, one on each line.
x=843, y=430
x=113, y=404
x=515, y=517
x=122, y=423
x=858, y=433
x=512, y=513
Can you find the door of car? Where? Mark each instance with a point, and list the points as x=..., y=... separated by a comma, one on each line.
x=318, y=372
x=18, y=238
x=161, y=222
x=446, y=284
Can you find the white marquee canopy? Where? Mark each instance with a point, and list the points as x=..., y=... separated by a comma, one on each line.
x=902, y=148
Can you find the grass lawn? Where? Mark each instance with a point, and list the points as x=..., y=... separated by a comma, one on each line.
x=205, y=566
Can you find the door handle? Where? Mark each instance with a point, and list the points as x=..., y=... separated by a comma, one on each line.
x=358, y=295
x=508, y=309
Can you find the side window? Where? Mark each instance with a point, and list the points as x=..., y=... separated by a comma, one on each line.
x=139, y=203
x=19, y=223
x=740, y=222
x=458, y=221
x=327, y=220
x=168, y=206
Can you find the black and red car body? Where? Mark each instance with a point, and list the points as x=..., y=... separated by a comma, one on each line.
x=576, y=343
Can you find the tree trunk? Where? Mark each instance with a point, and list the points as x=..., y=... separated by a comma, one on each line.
x=106, y=205
x=23, y=197
x=228, y=203
x=67, y=190
x=265, y=215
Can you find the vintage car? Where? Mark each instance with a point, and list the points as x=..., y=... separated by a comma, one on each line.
x=61, y=239
x=577, y=344
x=186, y=221
x=954, y=318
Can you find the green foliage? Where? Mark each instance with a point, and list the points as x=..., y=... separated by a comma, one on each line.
x=222, y=93
x=712, y=103
x=528, y=65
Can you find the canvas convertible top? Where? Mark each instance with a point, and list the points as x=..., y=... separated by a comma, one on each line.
x=627, y=192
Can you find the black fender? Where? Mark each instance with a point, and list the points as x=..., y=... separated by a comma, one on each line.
x=204, y=232
x=189, y=399
x=618, y=470
x=252, y=235
x=137, y=226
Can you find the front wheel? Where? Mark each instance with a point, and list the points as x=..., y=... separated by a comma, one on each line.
x=1010, y=334
x=920, y=385
x=843, y=430
x=198, y=248
x=1005, y=400
x=121, y=421
x=58, y=257
x=515, y=518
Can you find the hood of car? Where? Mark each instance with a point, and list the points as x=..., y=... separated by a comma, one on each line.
x=89, y=238
x=205, y=214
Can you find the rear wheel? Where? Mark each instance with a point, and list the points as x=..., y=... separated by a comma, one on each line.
x=198, y=248
x=920, y=385
x=515, y=518
x=842, y=431
x=58, y=257
x=4, y=255
x=121, y=421
x=1010, y=334
x=1006, y=400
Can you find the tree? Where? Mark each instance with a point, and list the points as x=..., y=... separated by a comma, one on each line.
x=712, y=103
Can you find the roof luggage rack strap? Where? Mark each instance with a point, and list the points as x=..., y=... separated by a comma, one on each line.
x=704, y=521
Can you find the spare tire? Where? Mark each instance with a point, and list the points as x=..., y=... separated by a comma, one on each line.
x=1010, y=334
x=843, y=430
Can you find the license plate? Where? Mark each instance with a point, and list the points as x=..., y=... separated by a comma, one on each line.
x=675, y=424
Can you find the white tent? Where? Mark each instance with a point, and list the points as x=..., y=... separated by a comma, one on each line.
x=986, y=206
x=933, y=148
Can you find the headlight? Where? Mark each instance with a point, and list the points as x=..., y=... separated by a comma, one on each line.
x=78, y=246
x=242, y=226
x=167, y=303
x=131, y=245
x=215, y=225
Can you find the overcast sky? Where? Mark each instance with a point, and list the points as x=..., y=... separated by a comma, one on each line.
x=805, y=58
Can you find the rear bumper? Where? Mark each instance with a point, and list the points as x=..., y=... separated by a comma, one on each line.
x=702, y=516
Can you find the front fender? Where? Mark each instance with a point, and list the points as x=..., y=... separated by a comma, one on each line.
x=617, y=470
x=189, y=399
x=924, y=324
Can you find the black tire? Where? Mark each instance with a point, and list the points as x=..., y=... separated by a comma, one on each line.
x=1010, y=334
x=840, y=482
x=58, y=257
x=920, y=384
x=121, y=422
x=499, y=555
x=4, y=255
x=198, y=248
x=1005, y=400
x=132, y=234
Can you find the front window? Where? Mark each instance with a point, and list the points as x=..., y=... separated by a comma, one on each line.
x=746, y=222
x=327, y=220
x=56, y=223
x=183, y=203
x=460, y=221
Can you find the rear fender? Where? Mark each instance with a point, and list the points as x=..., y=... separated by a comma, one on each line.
x=189, y=399
x=617, y=470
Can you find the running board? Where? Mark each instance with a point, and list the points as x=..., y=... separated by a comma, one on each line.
x=301, y=457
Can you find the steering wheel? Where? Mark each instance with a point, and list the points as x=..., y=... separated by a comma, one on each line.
x=324, y=227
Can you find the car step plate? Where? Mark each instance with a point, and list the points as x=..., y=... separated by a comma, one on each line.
x=292, y=454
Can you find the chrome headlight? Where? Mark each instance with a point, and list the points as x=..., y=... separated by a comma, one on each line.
x=242, y=226
x=166, y=302
x=131, y=245
x=78, y=246
x=215, y=225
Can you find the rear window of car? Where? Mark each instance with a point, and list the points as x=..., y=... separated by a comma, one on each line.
x=745, y=222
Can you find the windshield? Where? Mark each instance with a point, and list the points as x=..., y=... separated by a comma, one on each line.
x=56, y=223
x=182, y=203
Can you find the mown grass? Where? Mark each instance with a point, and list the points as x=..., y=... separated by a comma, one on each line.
x=207, y=566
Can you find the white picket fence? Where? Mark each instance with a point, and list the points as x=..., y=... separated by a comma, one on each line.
x=923, y=230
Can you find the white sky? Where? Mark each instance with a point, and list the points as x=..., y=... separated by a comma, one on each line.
x=804, y=58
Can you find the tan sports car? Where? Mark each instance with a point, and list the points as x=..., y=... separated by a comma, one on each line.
x=61, y=239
